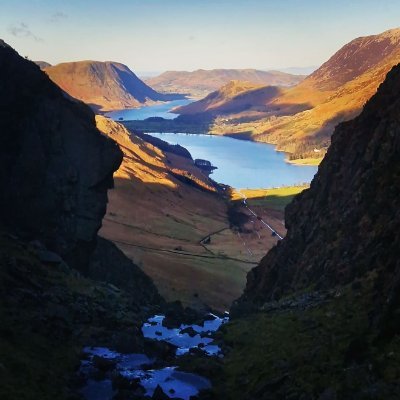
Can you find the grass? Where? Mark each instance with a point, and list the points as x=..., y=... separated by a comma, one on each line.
x=276, y=199
x=306, y=161
x=47, y=314
x=301, y=353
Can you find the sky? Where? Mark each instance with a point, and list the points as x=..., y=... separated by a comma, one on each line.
x=160, y=35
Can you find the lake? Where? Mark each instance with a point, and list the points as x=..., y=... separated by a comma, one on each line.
x=156, y=110
x=242, y=164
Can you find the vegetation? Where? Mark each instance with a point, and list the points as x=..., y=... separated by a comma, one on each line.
x=302, y=351
x=168, y=125
x=275, y=198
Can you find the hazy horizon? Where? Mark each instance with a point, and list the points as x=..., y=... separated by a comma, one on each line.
x=160, y=35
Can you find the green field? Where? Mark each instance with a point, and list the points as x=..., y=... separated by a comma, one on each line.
x=276, y=199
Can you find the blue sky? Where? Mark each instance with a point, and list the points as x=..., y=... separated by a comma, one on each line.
x=159, y=35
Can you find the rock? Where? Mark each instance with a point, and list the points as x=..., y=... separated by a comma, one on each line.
x=121, y=382
x=49, y=257
x=160, y=349
x=346, y=224
x=159, y=394
x=56, y=189
x=190, y=331
x=104, y=364
x=176, y=315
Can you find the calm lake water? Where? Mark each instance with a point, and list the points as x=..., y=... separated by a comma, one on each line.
x=242, y=164
x=157, y=110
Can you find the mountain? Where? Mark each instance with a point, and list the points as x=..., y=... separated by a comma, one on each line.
x=234, y=97
x=104, y=86
x=338, y=229
x=201, y=82
x=301, y=119
x=320, y=315
x=61, y=286
x=42, y=64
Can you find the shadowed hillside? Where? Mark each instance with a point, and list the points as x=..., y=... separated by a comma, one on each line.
x=319, y=318
x=61, y=287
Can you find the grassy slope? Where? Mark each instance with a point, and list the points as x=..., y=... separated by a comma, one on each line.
x=159, y=221
x=275, y=199
x=297, y=353
x=48, y=313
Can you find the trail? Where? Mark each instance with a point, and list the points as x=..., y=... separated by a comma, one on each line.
x=259, y=218
x=182, y=253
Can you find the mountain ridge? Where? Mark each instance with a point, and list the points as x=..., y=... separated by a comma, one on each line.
x=201, y=82
x=302, y=118
x=105, y=86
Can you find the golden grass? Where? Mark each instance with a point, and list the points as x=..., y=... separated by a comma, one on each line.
x=159, y=221
x=275, y=199
x=306, y=161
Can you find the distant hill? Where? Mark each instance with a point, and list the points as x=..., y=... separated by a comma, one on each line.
x=300, y=120
x=42, y=64
x=104, y=86
x=235, y=96
x=201, y=82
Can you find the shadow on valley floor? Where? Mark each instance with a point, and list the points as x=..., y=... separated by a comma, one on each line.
x=161, y=228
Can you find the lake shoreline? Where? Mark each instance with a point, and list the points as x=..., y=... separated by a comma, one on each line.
x=241, y=164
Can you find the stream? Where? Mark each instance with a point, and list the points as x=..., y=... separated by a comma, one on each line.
x=139, y=372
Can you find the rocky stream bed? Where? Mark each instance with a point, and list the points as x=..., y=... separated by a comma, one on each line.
x=108, y=374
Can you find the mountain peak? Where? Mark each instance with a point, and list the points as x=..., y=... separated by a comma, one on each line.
x=104, y=86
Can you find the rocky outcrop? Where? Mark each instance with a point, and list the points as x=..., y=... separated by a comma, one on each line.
x=55, y=170
x=347, y=224
x=55, y=166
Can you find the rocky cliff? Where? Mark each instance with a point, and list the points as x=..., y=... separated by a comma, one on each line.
x=61, y=287
x=347, y=224
x=320, y=316
x=55, y=166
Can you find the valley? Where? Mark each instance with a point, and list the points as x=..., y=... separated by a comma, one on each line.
x=180, y=232
x=219, y=230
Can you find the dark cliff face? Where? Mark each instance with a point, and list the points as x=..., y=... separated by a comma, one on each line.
x=348, y=223
x=55, y=166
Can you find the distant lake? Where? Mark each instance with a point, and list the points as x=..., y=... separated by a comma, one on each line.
x=242, y=164
x=157, y=110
